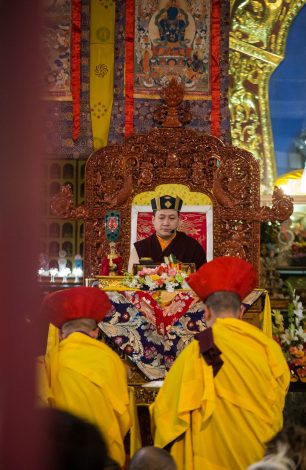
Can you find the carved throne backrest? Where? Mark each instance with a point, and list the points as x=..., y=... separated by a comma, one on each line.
x=229, y=176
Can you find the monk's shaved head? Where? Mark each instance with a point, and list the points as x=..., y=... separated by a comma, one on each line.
x=152, y=458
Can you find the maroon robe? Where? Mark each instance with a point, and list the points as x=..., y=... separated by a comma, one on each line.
x=185, y=249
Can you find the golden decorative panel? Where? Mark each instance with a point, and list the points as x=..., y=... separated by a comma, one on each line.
x=257, y=43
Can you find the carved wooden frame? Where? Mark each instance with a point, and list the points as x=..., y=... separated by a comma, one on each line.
x=229, y=176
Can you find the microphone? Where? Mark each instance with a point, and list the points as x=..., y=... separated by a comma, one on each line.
x=172, y=231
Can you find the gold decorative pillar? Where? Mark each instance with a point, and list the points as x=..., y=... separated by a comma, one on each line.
x=258, y=36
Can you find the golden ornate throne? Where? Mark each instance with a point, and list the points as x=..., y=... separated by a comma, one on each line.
x=172, y=154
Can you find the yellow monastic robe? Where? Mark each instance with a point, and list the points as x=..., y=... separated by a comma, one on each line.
x=222, y=422
x=88, y=379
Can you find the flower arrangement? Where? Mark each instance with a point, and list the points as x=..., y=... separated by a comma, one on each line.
x=165, y=276
x=293, y=338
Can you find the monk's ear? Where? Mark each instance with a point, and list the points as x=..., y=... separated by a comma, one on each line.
x=207, y=313
x=242, y=310
x=95, y=333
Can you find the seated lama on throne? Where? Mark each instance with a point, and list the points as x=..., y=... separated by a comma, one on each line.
x=167, y=240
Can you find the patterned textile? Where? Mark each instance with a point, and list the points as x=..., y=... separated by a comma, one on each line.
x=158, y=56
x=57, y=138
x=192, y=223
x=102, y=24
x=152, y=328
x=56, y=50
x=58, y=114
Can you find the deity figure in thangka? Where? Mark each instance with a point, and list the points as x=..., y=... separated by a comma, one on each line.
x=172, y=41
x=172, y=24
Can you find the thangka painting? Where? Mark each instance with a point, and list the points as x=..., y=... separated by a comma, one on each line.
x=161, y=39
x=172, y=39
x=56, y=42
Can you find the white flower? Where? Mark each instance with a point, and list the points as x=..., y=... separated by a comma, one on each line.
x=132, y=282
x=298, y=310
x=302, y=334
x=150, y=283
x=170, y=286
x=287, y=337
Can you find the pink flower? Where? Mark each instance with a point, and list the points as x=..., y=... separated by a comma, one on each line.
x=171, y=272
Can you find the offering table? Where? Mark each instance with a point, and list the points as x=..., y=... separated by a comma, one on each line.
x=150, y=328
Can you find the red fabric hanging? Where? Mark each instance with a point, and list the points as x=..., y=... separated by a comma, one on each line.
x=215, y=68
x=76, y=66
x=129, y=66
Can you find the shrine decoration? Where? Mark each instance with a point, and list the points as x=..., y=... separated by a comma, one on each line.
x=292, y=338
x=101, y=64
x=112, y=263
x=151, y=329
x=112, y=225
x=164, y=276
x=229, y=176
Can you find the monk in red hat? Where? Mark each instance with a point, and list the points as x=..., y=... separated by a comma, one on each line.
x=85, y=377
x=223, y=398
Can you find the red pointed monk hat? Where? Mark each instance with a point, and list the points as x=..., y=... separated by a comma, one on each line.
x=77, y=302
x=223, y=274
